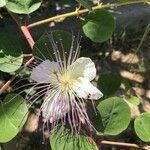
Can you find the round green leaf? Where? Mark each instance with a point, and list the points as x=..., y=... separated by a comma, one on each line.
x=109, y=83
x=49, y=44
x=99, y=25
x=142, y=126
x=63, y=139
x=23, y=6
x=115, y=115
x=13, y=114
x=2, y=3
x=11, y=56
x=134, y=100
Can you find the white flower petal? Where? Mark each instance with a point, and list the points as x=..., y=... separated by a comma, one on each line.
x=55, y=107
x=44, y=72
x=84, y=67
x=84, y=89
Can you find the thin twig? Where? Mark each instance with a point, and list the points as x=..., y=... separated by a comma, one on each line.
x=147, y=31
x=27, y=35
x=23, y=28
x=15, y=18
x=75, y=13
x=30, y=40
x=125, y=145
x=7, y=84
x=27, y=55
x=145, y=35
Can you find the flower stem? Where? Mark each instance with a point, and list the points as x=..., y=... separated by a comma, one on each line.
x=75, y=13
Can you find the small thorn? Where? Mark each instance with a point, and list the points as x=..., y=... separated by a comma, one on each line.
x=77, y=11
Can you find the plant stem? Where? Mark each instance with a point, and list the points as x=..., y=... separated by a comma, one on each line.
x=27, y=55
x=27, y=35
x=30, y=40
x=147, y=31
x=145, y=35
x=15, y=18
x=125, y=145
x=23, y=28
x=74, y=13
x=7, y=84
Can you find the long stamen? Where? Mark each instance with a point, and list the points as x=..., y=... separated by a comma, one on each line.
x=71, y=51
x=62, y=101
x=56, y=52
x=77, y=52
x=63, y=55
x=41, y=53
x=43, y=93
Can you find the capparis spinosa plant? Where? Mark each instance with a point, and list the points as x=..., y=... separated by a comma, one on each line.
x=78, y=105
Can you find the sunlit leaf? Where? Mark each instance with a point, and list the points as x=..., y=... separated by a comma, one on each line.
x=133, y=100
x=21, y=6
x=142, y=126
x=114, y=116
x=11, y=56
x=46, y=46
x=2, y=3
x=13, y=114
x=63, y=139
x=99, y=25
